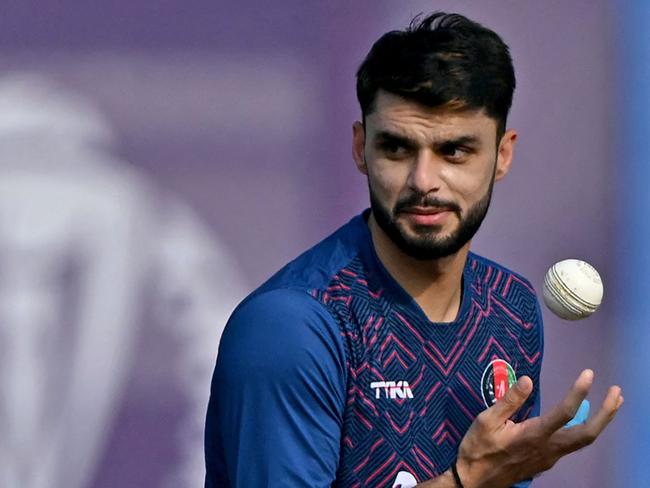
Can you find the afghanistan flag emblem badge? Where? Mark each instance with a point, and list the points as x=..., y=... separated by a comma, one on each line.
x=497, y=379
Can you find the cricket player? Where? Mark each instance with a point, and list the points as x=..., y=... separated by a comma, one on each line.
x=390, y=354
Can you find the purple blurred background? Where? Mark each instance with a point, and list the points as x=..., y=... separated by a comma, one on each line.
x=243, y=111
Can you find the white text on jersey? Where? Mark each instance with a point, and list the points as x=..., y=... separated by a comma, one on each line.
x=392, y=389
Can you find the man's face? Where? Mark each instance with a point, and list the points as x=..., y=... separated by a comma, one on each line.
x=430, y=172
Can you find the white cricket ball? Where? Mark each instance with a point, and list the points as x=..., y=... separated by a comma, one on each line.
x=573, y=289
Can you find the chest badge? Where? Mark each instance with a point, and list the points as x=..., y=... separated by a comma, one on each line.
x=497, y=379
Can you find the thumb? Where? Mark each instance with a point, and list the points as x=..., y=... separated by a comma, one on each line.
x=512, y=401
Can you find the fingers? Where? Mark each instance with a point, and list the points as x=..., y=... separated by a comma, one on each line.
x=613, y=401
x=512, y=401
x=567, y=408
x=611, y=404
x=574, y=438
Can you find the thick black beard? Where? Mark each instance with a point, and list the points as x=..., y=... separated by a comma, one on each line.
x=426, y=246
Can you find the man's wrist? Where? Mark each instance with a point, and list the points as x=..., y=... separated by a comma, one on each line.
x=454, y=471
x=464, y=471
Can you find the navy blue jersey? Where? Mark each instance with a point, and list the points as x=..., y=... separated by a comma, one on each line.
x=330, y=374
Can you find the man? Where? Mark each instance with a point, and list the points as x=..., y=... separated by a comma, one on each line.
x=388, y=354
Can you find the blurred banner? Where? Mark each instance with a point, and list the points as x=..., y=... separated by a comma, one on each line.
x=158, y=162
x=112, y=296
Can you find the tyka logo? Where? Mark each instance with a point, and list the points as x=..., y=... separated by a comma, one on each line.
x=392, y=389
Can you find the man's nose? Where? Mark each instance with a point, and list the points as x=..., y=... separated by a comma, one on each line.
x=425, y=175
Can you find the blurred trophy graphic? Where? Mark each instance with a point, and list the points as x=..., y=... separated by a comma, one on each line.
x=90, y=253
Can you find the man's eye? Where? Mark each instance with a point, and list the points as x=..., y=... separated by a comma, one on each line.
x=394, y=149
x=454, y=152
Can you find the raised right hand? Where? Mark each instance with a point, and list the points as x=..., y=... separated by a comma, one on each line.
x=497, y=452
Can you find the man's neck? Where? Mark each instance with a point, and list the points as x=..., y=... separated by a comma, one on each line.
x=435, y=285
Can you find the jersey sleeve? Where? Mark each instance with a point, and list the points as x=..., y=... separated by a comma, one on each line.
x=277, y=396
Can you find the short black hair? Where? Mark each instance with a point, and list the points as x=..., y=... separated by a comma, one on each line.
x=441, y=60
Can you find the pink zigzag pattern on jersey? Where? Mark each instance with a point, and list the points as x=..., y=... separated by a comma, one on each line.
x=509, y=281
x=460, y=404
x=363, y=419
x=392, y=338
x=355, y=392
x=449, y=361
x=376, y=295
x=445, y=429
x=346, y=271
x=471, y=391
x=445, y=359
x=495, y=284
x=394, y=356
x=410, y=327
x=493, y=342
x=428, y=397
x=433, y=390
x=486, y=278
x=378, y=471
x=418, y=454
x=338, y=287
x=531, y=359
x=400, y=430
x=444, y=370
x=481, y=314
x=402, y=349
x=456, y=352
x=365, y=460
x=525, y=325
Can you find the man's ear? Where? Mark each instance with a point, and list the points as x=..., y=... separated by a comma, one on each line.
x=505, y=153
x=358, y=146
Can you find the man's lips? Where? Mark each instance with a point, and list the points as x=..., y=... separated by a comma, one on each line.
x=425, y=210
x=427, y=215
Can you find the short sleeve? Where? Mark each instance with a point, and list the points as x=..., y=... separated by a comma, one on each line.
x=277, y=395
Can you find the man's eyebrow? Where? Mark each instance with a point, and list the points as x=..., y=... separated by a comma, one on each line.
x=465, y=140
x=468, y=140
x=386, y=135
